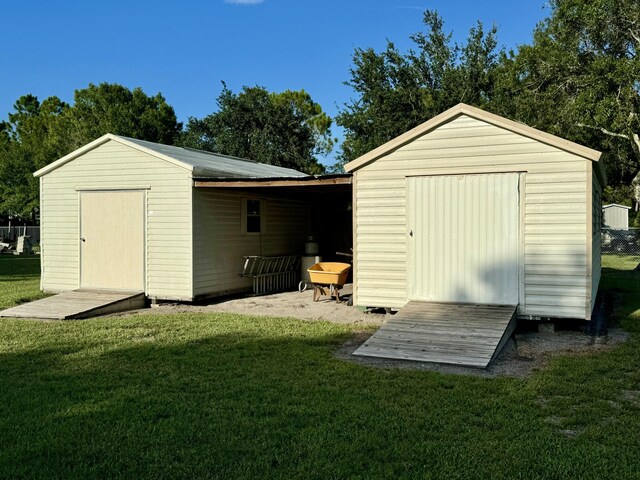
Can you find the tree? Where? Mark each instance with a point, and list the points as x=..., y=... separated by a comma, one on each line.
x=397, y=91
x=37, y=133
x=287, y=129
x=28, y=142
x=112, y=108
x=580, y=80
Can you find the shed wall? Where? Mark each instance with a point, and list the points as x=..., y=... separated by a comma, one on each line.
x=554, y=210
x=220, y=244
x=616, y=217
x=168, y=205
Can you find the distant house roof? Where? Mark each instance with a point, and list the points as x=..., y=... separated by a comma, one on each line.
x=615, y=205
x=202, y=164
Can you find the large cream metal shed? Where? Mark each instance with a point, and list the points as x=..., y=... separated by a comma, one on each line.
x=615, y=216
x=124, y=214
x=470, y=207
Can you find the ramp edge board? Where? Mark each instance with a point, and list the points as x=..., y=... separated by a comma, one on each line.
x=77, y=304
x=447, y=333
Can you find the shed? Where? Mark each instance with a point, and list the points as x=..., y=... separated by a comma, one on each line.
x=615, y=216
x=470, y=207
x=124, y=214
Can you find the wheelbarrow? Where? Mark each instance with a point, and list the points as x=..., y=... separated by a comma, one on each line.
x=328, y=277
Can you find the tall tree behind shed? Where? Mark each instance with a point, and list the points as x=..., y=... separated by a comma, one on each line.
x=37, y=133
x=396, y=91
x=287, y=129
x=580, y=79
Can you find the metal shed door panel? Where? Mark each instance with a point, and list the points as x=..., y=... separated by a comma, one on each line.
x=112, y=226
x=463, y=238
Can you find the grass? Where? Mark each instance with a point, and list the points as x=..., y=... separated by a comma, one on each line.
x=230, y=396
x=620, y=262
x=19, y=279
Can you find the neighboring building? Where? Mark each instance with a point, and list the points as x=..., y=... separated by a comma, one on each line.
x=615, y=216
x=126, y=214
x=471, y=207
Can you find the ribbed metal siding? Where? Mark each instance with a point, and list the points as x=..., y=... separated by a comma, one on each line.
x=463, y=238
x=616, y=217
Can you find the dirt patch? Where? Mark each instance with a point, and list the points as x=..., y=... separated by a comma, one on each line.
x=287, y=304
x=525, y=352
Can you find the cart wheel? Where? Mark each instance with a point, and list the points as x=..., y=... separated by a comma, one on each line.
x=302, y=286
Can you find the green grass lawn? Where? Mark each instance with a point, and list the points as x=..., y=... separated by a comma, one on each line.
x=228, y=396
x=620, y=262
x=19, y=279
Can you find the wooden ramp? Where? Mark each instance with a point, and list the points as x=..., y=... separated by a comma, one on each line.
x=453, y=333
x=78, y=304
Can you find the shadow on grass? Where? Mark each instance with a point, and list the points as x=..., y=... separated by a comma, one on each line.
x=238, y=405
x=165, y=398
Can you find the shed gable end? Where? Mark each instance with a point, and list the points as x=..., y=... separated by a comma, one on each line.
x=114, y=166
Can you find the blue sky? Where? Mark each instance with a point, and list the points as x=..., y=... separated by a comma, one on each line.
x=185, y=49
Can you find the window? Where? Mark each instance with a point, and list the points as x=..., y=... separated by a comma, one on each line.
x=253, y=217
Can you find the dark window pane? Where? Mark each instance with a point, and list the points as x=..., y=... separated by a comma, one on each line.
x=253, y=224
x=253, y=207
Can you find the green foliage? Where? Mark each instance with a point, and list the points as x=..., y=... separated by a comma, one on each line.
x=620, y=194
x=397, y=91
x=39, y=133
x=29, y=141
x=287, y=129
x=112, y=108
x=579, y=80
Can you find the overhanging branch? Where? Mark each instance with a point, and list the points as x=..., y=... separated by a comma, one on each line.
x=605, y=131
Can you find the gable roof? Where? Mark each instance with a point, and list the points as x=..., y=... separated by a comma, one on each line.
x=201, y=164
x=615, y=205
x=479, y=114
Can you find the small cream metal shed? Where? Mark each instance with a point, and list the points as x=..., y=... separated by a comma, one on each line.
x=124, y=214
x=615, y=216
x=470, y=207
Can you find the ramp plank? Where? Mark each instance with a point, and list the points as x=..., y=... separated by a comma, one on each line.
x=451, y=333
x=77, y=304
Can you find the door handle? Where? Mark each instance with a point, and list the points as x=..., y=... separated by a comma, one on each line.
x=83, y=239
x=411, y=233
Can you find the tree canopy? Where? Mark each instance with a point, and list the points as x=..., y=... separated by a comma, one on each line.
x=287, y=129
x=580, y=79
x=112, y=108
x=37, y=133
x=396, y=91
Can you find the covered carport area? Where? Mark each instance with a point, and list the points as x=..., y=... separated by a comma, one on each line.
x=328, y=201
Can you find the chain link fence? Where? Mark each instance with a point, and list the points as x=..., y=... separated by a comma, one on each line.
x=620, y=242
x=621, y=250
x=11, y=233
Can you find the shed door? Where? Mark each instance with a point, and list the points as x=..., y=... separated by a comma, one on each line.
x=463, y=238
x=112, y=226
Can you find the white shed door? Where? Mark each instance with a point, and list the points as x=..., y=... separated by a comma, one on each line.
x=112, y=240
x=463, y=238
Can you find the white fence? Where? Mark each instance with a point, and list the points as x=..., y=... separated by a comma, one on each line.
x=12, y=233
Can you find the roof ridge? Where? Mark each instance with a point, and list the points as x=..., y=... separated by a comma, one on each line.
x=479, y=114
